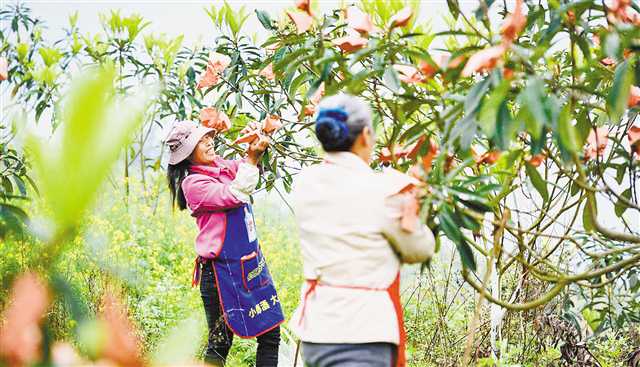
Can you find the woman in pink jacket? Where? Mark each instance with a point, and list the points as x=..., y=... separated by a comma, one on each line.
x=237, y=291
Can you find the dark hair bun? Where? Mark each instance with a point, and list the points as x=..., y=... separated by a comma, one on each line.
x=331, y=129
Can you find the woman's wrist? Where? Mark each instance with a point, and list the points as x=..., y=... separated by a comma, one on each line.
x=253, y=158
x=256, y=149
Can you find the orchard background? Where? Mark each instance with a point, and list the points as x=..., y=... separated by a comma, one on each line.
x=519, y=117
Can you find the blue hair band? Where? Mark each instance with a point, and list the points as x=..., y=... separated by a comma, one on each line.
x=337, y=113
x=336, y=117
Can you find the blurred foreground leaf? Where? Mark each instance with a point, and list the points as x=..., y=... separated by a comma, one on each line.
x=96, y=125
x=178, y=346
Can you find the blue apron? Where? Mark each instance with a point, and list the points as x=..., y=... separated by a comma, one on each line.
x=247, y=295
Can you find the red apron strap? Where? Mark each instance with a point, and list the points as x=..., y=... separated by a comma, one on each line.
x=312, y=287
x=394, y=293
x=195, y=278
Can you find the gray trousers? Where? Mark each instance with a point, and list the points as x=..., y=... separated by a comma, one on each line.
x=349, y=355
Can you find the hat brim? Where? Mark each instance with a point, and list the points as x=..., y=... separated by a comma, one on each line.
x=185, y=150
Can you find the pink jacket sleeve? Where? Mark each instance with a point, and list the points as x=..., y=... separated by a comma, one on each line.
x=203, y=193
x=233, y=164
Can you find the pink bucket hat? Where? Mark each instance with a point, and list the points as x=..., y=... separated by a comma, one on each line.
x=183, y=138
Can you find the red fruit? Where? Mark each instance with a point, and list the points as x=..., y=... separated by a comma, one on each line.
x=217, y=120
x=20, y=335
x=304, y=5
x=489, y=157
x=596, y=143
x=484, y=60
x=247, y=137
x=408, y=74
x=633, y=135
x=271, y=124
x=4, y=68
x=350, y=43
x=267, y=72
x=513, y=24
x=634, y=96
x=507, y=73
x=427, y=69
x=302, y=21
x=537, y=159
x=208, y=79
x=358, y=20
x=427, y=159
x=401, y=18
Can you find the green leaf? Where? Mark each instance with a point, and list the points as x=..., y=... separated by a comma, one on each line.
x=357, y=84
x=475, y=205
x=584, y=47
x=488, y=114
x=283, y=62
x=313, y=88
x=505, y=127
x=326, y=71
x=592, y=317
x=621, y=171
x=234, y=21
x=619, y=94
x=454, y=8
x=532, y=112
x=467, y=221
x=411, y=106
x=583, y=127
x=391, y=80
x=47, y=75
x=538, y=182
x=587, y=218
x=475, y=95
x=12, y=219
x=553, y=28
x=620, y=206
x=465, y=194
x=452, y=231
x=507, y=166
x=212, y=13
x=50, y=56
x=295, y=84
x=567, y=133
x=73, y=19
x=22, y=188
x=265, y=19
x=7, y=186
x=22, y=49
x=482, y=10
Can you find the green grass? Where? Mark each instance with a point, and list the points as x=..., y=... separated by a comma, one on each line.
x=145, y=250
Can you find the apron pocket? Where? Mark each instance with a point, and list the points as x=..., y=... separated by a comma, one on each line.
x=253, y=267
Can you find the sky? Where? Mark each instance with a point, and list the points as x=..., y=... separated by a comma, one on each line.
x=189, y=17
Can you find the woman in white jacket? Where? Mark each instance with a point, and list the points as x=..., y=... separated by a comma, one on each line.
x=352, y=247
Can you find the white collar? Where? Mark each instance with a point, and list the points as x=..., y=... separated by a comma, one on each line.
x=347, y=159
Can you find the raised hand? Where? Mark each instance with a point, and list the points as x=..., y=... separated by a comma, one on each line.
x=257, y=148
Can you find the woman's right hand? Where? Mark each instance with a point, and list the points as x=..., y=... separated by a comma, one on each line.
x=257, y=148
